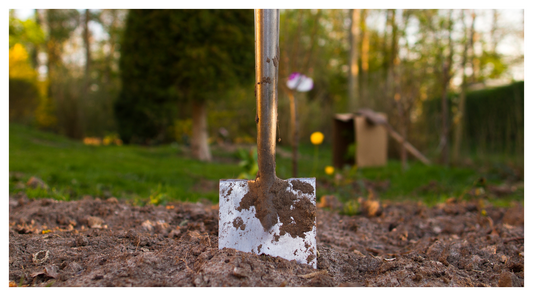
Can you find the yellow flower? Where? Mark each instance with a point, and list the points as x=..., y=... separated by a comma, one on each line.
x=107, y=140
x=317, y=138
x=329, y=170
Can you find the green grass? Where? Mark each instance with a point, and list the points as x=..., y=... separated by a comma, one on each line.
x=163, y=173
x=73, y=169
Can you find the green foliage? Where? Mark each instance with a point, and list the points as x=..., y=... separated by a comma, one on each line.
x=235, y=111
x=315, y=43
x=494, y=119
x=53, y=193
x=183, y=131
x=157, y=197
x=61, y=23
x=23, y=100
x=350, y=208
x=26, y=32
x=171, y=56
x=248, y=163
x=492, y=66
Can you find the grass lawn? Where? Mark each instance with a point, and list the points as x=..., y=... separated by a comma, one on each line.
x=72, y=170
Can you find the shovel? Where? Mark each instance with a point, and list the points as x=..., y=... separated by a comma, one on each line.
x=268, y=215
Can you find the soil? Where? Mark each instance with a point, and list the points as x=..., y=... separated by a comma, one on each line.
x=281, y=204
x=93, y=242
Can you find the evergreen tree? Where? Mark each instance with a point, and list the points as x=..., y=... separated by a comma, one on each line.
x=169, y=57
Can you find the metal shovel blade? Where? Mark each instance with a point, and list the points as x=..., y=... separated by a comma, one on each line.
x=241, y=229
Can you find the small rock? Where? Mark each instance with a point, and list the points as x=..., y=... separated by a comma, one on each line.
x=198, y=281
x=161, y=227
x=503, y=259
x=35, y=182
x=81, y=241
x=370, y=207
x=239, y=272
x=112, y=200
x=329, y=201
x=147, y=225
x=94, y=222
x=508, y=279
x=51, y=271
x=194, y=236
x=174, y=233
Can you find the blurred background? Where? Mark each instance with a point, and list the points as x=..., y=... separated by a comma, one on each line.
x=158, y=105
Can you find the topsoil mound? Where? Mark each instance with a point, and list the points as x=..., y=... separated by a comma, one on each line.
x=95, y=242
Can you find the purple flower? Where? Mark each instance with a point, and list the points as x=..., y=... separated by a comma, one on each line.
x=300, y=82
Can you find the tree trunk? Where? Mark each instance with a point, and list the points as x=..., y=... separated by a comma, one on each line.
x=365, y=46
x=494, y=31
x=87, y=83
x=444, y=132
x=295, y=49
x=458, y=136
x=395, y=86
x=35, y=48
x=199, y=145
x=445, y=153
x=386, y=58
x=310, y=53
x=353, y=77
x=390, y=89
x=110, y=59
x=86, y=36
x=294, y=128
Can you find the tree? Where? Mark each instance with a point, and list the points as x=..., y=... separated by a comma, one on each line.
x=87, y=82
x=170, y=57
x=60, y=24
x=353, y=74
x=446, y=76
x=467, y=43
x=365, y=47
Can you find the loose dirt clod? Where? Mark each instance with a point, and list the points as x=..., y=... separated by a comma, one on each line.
x=329, y=201
x=313, y=274
x=239, y=223
x=370, y=207
x=94, y=222
x=35, y=182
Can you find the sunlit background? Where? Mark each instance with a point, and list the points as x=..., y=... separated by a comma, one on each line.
x=100, y=79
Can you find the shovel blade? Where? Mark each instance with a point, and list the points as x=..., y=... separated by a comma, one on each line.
x=243, y=231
